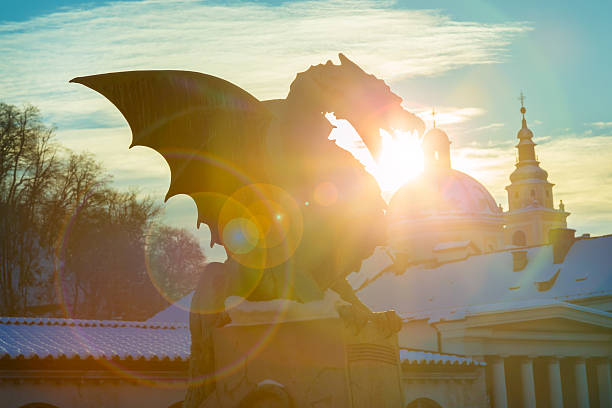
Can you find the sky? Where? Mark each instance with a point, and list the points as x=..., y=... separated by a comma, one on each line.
x=469, y=60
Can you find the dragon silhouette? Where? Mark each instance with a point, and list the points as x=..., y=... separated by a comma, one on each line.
x=295, y=212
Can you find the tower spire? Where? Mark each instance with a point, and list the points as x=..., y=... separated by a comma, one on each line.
x=522, y=98
x=530, y=195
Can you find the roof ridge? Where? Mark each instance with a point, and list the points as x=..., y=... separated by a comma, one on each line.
x=434, y=352
x=59, y=321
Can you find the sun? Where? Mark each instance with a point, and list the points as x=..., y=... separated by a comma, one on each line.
x=400, y=160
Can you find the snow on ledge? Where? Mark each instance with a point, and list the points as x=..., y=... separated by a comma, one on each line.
x=244, y=312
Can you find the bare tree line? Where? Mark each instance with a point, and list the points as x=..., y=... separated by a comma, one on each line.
x=73, y=243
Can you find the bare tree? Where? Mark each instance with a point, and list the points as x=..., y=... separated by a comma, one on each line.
x=175, y=260
x=63, y=225
x=28, y=165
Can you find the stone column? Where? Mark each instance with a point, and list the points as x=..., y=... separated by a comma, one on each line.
x=527, y=382
x=604, y=382
x=555, y=392
x=500, y=398
x=582, y=387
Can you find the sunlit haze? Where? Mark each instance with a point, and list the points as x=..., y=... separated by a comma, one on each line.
x=468, y=60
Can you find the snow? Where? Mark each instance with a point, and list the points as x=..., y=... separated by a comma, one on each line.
x=371, y=267
x=29, y=338
x=244, y=312
x=270, y=382
x=488, y=279
x=444, y=246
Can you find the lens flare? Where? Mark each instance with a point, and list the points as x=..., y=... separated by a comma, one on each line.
x=261, y=226
x=241, y=235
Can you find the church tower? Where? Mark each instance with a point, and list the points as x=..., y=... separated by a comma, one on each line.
x=531, y=211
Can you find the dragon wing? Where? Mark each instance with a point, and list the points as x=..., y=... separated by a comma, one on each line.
x=210, y=131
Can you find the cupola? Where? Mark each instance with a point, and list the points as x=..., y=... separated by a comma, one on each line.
x=436, y=150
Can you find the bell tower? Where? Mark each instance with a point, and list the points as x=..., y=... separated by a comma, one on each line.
x=436, y=149
x=531, y=211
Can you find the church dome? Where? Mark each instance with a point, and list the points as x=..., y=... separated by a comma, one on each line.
x=441, y=194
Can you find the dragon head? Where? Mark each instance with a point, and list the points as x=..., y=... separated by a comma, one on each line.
x=354, y=95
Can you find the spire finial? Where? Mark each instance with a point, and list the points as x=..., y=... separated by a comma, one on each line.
x=433, y=115
x=522, y=98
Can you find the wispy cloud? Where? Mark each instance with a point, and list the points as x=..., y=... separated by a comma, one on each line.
x=259, y=47
x=489, y=127
x=601, y=125
x=447, y=115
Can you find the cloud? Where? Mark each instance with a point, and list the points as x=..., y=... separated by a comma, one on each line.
x=447, y=115
x=600, y=125
x=489, y=127
x=259, y=47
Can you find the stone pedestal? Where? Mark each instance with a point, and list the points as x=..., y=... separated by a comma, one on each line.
x=314, y=362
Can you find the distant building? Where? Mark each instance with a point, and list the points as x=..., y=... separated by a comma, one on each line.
x=516, y=290
x=531, y=213
x=500, y=309
x=443, y=208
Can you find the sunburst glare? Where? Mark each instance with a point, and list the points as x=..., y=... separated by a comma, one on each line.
x=400, y=160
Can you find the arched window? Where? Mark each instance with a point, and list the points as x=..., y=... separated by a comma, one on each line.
x=437, y=155
x=423, y=403
x=519, y=239
x=532, y=193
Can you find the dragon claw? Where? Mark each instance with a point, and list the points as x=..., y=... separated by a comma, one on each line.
x=355, y=318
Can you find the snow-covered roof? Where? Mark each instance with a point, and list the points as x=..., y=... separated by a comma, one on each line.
x=22, y=337
x=446, y=246
x=177, y=312
x=421, y=291
x=429, y=358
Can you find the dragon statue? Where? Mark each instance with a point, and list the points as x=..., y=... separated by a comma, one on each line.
x=295, y=213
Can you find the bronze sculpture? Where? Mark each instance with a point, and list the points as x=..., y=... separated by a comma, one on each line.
x=295, y=212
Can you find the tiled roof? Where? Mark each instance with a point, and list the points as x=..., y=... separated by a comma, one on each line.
x=427, y=358
x=41, y=338
x=29, y=338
